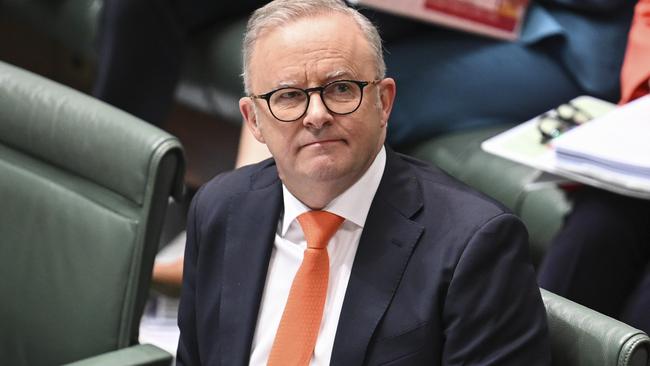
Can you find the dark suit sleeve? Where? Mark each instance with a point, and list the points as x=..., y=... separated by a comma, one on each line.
x=188, y=353
x=493, y=312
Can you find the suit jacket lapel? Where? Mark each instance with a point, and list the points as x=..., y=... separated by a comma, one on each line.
x=250, y=234
x=388, y=239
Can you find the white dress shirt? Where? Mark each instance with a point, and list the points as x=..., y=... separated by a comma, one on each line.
x=353, y=205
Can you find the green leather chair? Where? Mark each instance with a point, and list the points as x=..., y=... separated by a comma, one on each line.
x=83, y=193
x=583, y=337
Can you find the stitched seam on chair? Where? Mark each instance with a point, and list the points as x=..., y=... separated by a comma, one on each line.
x=164, y=146
x=630, y=350
x=73, y=192
x=145, y=199
x=626, y=355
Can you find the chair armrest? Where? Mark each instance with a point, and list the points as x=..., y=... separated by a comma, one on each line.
x=138, y=355
x=581, y=336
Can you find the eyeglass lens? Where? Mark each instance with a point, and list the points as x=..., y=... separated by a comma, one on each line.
x=340, y=97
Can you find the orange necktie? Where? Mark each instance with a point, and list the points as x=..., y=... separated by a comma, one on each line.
x=636, y=66
x=296, y=336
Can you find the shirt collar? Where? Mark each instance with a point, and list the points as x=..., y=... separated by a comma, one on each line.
x=353, y=204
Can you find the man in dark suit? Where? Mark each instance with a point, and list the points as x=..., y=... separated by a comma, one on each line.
x=422, y=270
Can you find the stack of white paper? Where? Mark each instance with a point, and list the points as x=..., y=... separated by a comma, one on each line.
x=614, y=148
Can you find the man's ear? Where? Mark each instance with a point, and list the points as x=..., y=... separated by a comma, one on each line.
x=247, y=110
x=387, y=90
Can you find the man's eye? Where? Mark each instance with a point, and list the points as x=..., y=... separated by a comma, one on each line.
x=342, y=88
x=288, y=95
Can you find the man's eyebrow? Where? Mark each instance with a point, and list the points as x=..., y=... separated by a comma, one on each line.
x=331, y=76
x=286, y=84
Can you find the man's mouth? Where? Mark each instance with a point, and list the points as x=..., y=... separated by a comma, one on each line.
x=323, y=143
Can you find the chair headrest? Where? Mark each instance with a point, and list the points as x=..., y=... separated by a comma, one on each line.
x=81, y=134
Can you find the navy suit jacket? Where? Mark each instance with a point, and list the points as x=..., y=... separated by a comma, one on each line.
x=441, y=275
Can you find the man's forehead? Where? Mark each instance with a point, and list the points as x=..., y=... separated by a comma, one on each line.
x=310, y=75
x=324, y=47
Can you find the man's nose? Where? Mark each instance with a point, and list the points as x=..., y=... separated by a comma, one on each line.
x=317, y=114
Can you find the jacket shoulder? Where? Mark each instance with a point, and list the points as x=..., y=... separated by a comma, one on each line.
x=240, y=180
x=442, y=192
x=224, y=186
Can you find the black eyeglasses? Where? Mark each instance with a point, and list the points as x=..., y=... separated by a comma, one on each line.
x=339, y=97
x=561, y=119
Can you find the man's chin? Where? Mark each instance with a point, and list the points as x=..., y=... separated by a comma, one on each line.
x=325, y=171
x=325, y=174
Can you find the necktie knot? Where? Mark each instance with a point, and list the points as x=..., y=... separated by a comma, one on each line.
x=319, y=226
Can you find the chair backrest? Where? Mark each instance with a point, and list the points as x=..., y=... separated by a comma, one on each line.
x=583, y=337
x=83, y=193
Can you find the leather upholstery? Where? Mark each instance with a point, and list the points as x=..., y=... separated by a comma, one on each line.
x=83, y=192
x=143, y=354
x=583, y=337
x=45, y=134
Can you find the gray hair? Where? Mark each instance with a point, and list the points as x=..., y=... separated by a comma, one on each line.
x=281, y=12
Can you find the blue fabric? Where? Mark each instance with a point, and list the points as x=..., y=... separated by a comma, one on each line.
x=449, y=81
x=591, y=45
